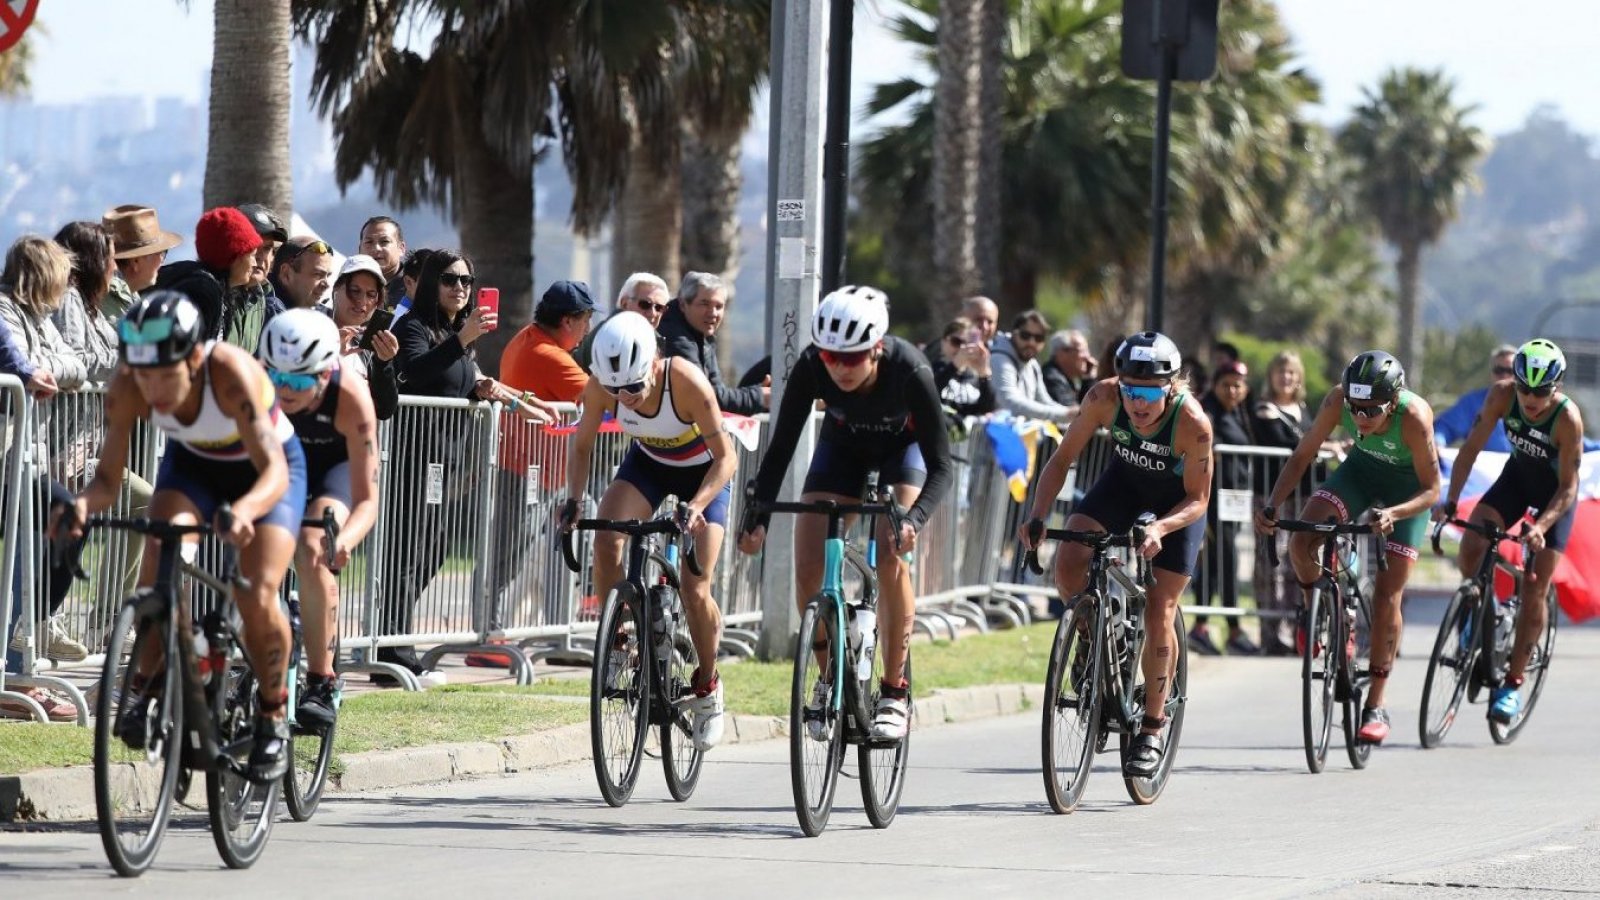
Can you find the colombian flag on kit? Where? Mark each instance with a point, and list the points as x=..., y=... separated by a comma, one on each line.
x=1577, y=579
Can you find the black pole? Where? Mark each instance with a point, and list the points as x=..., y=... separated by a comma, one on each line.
x=1158, y=186
x=836, y=144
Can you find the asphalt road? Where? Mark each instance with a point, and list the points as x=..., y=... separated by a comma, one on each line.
x=1241, y=818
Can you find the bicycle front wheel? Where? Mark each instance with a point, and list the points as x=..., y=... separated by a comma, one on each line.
x=1317, y=681
x=1144, y=791
x=816, y=736
x=1449, y=668
x=679, y=757
x=1072, y=704
x=1355, y=634
x=1533, y=676
x=882, y=763
x=619, y=694
x=137, y=742
x=241, y=812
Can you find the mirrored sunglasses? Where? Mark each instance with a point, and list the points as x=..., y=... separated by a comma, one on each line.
x=153, y=331
x=633, y=388
x=1367, y=412
x=1152, y=393
x=291, y=381
x=846, y=358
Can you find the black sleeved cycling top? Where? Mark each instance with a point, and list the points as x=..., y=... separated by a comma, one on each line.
x=900, y=407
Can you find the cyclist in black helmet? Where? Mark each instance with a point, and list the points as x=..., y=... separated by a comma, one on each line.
x=1540, y=480
x=227, y=442
x=1393, y=471
x=1162, y=465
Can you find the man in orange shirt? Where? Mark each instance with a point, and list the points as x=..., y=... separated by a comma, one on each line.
x=538, y=361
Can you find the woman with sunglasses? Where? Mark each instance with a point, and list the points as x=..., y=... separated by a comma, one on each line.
x=1539, y=480
x=1161, y=464
x=1393, y=471
x=227, y=442
x=332, y=413
x=680, y=447
x=882, y=414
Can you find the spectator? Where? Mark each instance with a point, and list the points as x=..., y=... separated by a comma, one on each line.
x=1069, y=373
x=357, y=294
x=962, y=374
x=435, y=360
x=689, y=329
x=643, y=293
x=141, y=248
x=1280, y=420
x=984, y=316
x=85, y=327
x=382, y=239
x=1018, y=380
x=538, y=362
x=1230, y=423
x=409, y=271
x=220, y=282
x=1223, y=353
x=35, y=278
x=301, y=270
x=1453, y=425
x=40, y=382
x=1197, y=375
x=274, y=233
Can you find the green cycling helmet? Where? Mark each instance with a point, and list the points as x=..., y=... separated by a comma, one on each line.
x=1538, y=362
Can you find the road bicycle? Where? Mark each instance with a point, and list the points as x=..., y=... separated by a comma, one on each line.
x=1334, y=638
x=311, y=747
x=837, y=648
x=644, y=661
x=1094, y=684
x=198, y=714
x=1473, y=650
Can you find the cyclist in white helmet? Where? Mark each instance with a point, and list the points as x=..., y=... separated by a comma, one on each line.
x=882, y=413
x=1540, y=480
x=680, y=447
x=332, y=412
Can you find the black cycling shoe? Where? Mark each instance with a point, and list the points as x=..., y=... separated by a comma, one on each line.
x=1145, y=758
x=269, y=758
x=133, y=725
x=316, y=712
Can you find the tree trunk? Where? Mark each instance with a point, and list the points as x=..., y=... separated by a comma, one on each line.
x=247, y=156
x=496, y=222
x=990, y=138
x=647, y=224
x=711, y=186
x=957, y=151
x=1409, y=270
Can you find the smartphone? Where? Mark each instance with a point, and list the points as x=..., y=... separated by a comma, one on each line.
x=380, y=321
x=490, y=297
x=974, y=336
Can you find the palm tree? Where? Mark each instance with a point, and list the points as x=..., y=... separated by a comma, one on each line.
x=966, y=150
x=1414, y=154
x=247, y=153
x=14, y=64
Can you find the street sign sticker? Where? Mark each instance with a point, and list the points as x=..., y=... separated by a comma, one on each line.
x=791, y=210
x=15, y=17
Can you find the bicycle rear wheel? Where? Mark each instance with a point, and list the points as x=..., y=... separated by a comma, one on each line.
x=241, y=812
x=1316, y=681
x=619, y=694
x=816, y=739
x=1072, y=703
x=1449, y=668
x=311, y=754
x=134, y=787
x=1351, y=633
x=679, y=757
x=882, y=763
x=1144, y=791
x=1533, y=676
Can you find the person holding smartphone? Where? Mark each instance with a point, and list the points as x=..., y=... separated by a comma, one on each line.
x=961, y=372
x=369, y=348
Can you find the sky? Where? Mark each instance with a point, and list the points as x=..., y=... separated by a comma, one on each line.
x=1507, y=58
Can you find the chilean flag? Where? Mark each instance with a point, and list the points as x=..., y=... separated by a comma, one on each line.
x=1577, y=578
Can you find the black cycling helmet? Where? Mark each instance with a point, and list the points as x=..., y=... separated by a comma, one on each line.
x=1374, y=375
x=159, y=329
x=1149, y=354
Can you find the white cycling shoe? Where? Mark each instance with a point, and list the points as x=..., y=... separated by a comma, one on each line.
x=708, y=718
x=892, y=719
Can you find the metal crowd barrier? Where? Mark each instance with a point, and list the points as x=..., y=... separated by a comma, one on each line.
x=463, y=556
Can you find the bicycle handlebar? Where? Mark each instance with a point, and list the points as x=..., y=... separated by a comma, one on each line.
x=1490, y=532
x=330, y=533
x=635, y=528
x=1329, y=527
x=885, y=506
x=1095, y=540
x=69, y=551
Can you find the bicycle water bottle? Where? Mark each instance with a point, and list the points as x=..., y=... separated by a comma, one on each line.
x=864, y=636
x=665, y=624
x=1504, y=625
x=294, y=614
x=202, y=655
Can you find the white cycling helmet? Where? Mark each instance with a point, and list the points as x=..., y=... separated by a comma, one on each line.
x=300, y=342
x=854, y=317
x=623, y=350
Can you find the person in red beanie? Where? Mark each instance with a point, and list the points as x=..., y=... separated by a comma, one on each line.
x=225, y=281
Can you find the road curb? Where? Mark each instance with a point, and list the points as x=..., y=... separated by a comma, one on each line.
x=58, y=795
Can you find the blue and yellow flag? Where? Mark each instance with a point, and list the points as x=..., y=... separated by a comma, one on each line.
x=1015, y=443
